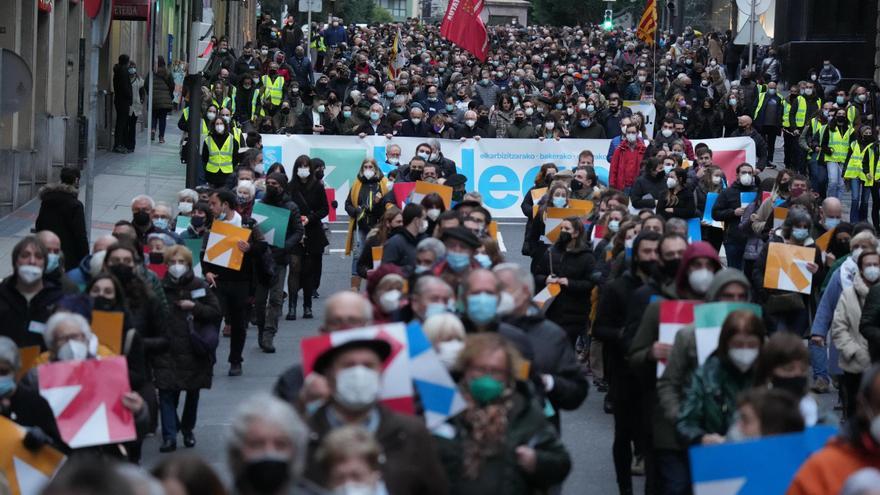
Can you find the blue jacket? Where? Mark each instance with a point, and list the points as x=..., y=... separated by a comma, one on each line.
x=827, y=305
x=335, y=35
x=81, y=275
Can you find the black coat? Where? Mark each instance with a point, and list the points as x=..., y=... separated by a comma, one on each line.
x=571, y=307
x=178, y=367
x=17, y=313
x=149, y=320
x=554, y=356
x=381, y=129
x=610, y=327
x=31, y=410
x=645, y=185
x=724, y=211
x=400, y=250
x=295, y=232
x=311, y=200
x=122, y=93
x=408, y=129
x=684, y=209
x=304, y=123
x=62, y=213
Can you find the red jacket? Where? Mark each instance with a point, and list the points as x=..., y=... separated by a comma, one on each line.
x=626, y=164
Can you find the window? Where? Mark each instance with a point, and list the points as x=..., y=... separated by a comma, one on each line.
x=396, y=7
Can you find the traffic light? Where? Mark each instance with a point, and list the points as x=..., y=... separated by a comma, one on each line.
x=670, y=5
x=608, y=23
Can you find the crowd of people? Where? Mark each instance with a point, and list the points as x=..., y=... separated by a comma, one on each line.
x=440, y=265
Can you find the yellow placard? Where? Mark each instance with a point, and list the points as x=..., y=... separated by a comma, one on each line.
x=28, y=356
x=553, y=218
x=423, y=189
x=581, y=204
x=786, y=268
x=25, y=471
x=779, y=216
x=824, y=240
x=376, y=252
x=107, y=326
x=492, y=229
x=549, y=292
x=223, y=248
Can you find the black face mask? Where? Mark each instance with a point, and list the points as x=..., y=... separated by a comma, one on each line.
x=319, y=174
x=576, y=185
x=266, y=475
x=796, y=384
x=141, y=218
x=649, y=268
x=415, y=174
x=103, y=304
x=197, y=222
x=838, y=248
x=157, y=258
x=564, y=239
x=457, y=195
x=670, y=268
x=122, y=272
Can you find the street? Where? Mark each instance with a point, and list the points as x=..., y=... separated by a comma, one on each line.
x=587, y=432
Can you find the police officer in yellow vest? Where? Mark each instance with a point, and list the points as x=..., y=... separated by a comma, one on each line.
x=861, y=172
x=219, y=153
x=273, y=89
x=835, y=143
x=231, y=125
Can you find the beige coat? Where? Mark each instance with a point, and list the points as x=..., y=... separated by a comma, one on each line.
x=845, y=333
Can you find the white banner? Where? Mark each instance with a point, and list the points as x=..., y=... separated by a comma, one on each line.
x=645, y=108
x=502, y=170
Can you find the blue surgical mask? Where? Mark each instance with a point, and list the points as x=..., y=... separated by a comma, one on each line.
x=800, y=233
x=614, y=225
x=161, y=223
x=346, y=114
x=434, y=309
x=458, y=261
x=7, y=384
x=52, y=262
x=374, y=115
x=420, y=269
x=449, y=108
x=221, y=216
x=481, y=308
x=559, y=201
x=830, y=223
x=483, y=259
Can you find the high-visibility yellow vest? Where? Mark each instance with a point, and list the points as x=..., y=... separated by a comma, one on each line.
x=273, y=90
x=760, y=104
x=220, y=159
x=227, y=102
x=204, y=126
x=851, y=114
x=236, y=133
x=800, y=116
x=839, y=144
x=854, y=169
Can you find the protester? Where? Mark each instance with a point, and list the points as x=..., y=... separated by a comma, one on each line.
x=501, y=441
x=61, y=212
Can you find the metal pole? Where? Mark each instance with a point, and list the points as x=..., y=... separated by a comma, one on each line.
x=94, y=60
x=193, y=85
x=152, y=74
x=308, y=49
x=82, y=142
x=751, y=32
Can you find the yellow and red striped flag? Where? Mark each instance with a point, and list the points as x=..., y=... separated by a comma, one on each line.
x=648, y=24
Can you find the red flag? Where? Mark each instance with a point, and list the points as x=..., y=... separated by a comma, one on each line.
x=462, y=25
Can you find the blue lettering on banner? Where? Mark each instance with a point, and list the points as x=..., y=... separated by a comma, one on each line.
x=487, y=186
x=271, y=154
x=379, y=156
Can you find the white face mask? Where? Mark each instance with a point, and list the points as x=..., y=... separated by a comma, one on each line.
x=423, y=227
x=671, y=183
x=666, y=133
x=211, y=115
x=631, y=137
x=96, y=263
x=302, y=173
x=550, y=125
x=506, y=304
x=746, y=179
x=184, y=207
x=470, y=122
x=73, y=350
x=700, y=280
x=29, y=273
x=433, y=214
x=871, y=273
x=716, y=179
x=856, y=253
x=355, y=488
x=390, y=301
x=448, y=352
x=220, y=128
x=742, y=358
x=177, y=270
x=369, y=174
x=357, y=387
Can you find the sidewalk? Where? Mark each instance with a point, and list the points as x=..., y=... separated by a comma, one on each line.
x=118, y=178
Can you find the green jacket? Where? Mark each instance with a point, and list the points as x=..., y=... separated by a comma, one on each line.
x=645, y=367
x=675, y=380
x=710, y=402
x=501, y=473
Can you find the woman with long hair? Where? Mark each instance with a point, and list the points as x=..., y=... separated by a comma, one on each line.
x=307, y=191
x=391, y=220
x=364, y=205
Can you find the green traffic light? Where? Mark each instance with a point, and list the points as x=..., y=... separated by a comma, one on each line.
x=607, y=25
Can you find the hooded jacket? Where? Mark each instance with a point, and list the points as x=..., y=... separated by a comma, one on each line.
x=648, y=331
x=626, y=164
x=62, y=213
x=849, y=341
